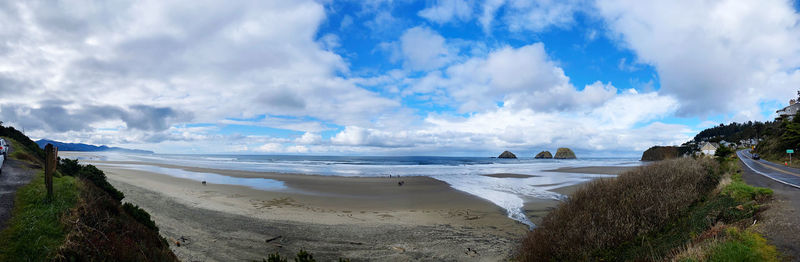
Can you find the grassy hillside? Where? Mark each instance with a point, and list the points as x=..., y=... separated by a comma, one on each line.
x=683, y=209
x=35, y=231
x=784, y=135
x=85, y=220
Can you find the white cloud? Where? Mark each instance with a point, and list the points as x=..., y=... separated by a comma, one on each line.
x=539, y=15
x=522, y=77
x=620, y=123
x=162, y=63
x=444, y=11
x=489, y=10
x=270, y=148
x=296, y=149
x=526, y=15
x=715, y=56
x=309, y=138
x=424, y=49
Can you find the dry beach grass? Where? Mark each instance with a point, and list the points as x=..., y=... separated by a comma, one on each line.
x=605, y=213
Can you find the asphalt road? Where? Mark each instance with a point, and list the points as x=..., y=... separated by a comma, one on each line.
x=15, y=174
x=781, y=174
x=780, y=222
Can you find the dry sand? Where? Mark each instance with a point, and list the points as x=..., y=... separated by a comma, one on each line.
x=362, y=218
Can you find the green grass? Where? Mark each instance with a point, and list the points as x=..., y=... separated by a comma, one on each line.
x=741, y=191
x=21, y=152
x=35, y=230
x=742, y=246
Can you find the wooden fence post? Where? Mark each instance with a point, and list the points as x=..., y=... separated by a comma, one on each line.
x=50, y=163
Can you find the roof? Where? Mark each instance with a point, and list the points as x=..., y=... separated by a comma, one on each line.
x=789, y=110
x=708, y=146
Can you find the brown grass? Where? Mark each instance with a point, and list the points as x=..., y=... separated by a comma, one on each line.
x=100, y=230
x=606, y=213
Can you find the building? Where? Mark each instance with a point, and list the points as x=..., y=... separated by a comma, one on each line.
x=787, y=113
x=708, y=148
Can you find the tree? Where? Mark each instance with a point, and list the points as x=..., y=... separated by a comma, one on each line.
x=790, y=137
x=723, y=152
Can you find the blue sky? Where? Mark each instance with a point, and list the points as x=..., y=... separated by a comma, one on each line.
x=385, y=77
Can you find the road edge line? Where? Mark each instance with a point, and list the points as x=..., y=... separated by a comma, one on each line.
x=768, y=176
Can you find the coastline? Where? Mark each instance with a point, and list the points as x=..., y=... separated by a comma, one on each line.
x=424, y=219
x=600, y=170
x=355, y=209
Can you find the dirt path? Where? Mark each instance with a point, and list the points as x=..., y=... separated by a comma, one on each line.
x=780, y=223
x=15, y=174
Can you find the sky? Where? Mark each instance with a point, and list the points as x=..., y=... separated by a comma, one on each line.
x=393, y=77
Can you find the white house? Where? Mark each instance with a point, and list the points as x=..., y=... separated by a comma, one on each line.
x=788, y=112
x=708, y=149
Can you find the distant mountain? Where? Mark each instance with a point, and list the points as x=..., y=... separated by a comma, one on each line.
x=87, y=148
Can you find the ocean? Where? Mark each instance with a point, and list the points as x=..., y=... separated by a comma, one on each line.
x=461, y=173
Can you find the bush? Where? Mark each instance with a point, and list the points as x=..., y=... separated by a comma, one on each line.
x=100, y=230
x=607, y=213
x=26, y=143
x=302, y=256
x=140, y=215
x=89, y=172
x=723, y=152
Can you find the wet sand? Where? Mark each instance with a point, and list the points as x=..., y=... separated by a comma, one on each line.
x=507, y=175
x=604, y=170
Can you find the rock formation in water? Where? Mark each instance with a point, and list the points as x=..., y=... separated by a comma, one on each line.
x=544, y=154
x=507, y=154
x=564, y=153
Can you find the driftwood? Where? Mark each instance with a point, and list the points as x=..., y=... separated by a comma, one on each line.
x=273, y=239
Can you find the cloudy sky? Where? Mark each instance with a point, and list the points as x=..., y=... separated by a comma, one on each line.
x=383, y=77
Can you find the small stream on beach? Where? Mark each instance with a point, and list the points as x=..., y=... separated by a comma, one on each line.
x=465, y=174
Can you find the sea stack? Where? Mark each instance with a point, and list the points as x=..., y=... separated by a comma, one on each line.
x=564, y=153
x=507, y=154
x=544, y=154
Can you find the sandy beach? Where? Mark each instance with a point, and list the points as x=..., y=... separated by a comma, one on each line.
x=362, y=218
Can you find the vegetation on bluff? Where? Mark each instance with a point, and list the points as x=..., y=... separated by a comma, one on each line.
x=779, y=137
x=650, y=213
x=85, y=220
x=735, y=132
x=658, y=153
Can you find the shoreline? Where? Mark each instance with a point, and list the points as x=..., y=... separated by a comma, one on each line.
x=399, y=228
x=599, y=170
x=359, y=209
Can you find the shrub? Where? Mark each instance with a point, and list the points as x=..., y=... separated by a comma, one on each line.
x=607, y=213
x=23, y=142
x=723, y=152
x=89, y=172
x=302, y=256
x=140, y=215
x=100, y=230
x=69, y=167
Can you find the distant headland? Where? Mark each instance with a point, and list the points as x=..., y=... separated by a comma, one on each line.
x=88, y=148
